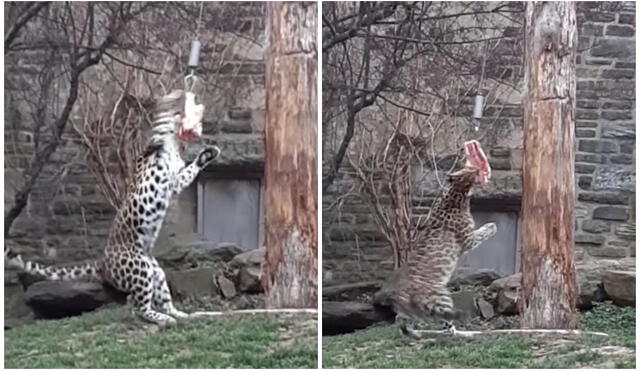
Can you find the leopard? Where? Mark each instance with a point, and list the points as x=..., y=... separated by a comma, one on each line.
x=422, y=295
x=127, y=263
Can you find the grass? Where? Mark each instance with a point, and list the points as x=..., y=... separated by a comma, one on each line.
x=113, y=338
x=386, y=347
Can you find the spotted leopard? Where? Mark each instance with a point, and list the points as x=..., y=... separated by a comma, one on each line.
x=127, y=263
x=422, y=288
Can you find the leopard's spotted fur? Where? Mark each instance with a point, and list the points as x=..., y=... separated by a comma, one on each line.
x=449, y=233
x=127, y=263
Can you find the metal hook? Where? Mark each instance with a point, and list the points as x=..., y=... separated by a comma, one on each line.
x=190, y=81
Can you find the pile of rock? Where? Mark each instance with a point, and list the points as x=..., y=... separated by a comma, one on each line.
x=194, y=271
x=484, y=294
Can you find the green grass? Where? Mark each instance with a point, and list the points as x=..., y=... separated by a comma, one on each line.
x=113, y=338
x=386, y=347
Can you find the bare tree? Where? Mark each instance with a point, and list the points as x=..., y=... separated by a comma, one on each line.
x=290, y=269
x=397, y=78
x=375, y=52
x=549, y=290
x=71, y=38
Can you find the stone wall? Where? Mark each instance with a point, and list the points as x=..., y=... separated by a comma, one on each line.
x=353, y=249
x=67, y=218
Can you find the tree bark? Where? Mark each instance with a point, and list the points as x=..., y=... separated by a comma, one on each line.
x=549, y=293
x=290, y=270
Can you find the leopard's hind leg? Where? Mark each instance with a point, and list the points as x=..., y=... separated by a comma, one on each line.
x=135, y=275
x=437, y=304
x=161, y=293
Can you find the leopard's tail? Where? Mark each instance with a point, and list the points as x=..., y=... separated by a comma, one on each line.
x=89, y=271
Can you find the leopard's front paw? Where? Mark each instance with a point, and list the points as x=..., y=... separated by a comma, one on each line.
x=490, y=229
x=207, y=155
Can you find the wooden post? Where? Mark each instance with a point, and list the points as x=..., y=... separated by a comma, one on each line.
x=291, y=204
x=548, y=296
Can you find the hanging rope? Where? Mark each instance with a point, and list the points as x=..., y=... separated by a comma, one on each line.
x=479, y=101
x=194, y=56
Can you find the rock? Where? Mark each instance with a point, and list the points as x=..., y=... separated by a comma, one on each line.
x=506, y=291
x=248, y=266
x=620, y=286
x=252, y=257
x=384, y=296
x=340, y=317
x=589, y=279
x=58, y=299
x=192, y=283
x=464, y=302
x=205, y=251
x=485, y=308
x=16, y=311
x=227, y=288
x=349, y=291
x=482, y=277
x=248, y=279
x=189, y=251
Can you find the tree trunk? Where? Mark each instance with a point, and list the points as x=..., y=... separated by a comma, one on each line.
x=548, y=296
x=290, y=271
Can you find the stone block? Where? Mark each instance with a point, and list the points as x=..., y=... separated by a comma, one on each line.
x=615, y=178
x=236, y=127
x=589, y=29
x=500, y=164
x=582, y=133
x=587, y=114
x=622, y=159
x=627, y=147
x=591, y=104
x=485, y=308
x=618, y=74
x=339, y=317
x=598, y=62
x=192, y=283
x=590, y=158
x=226, y=287
x=611, y=213
x=596, y=226
x=599, y=16
x=585, y=169
x=608, y=252
x=620, y=30
x=465, y=303
x=621, y=105
x=620, y=286
x=238, y=113
x=626, y=231
x=627, y=19
x=584, y=182
x=58, y=299
x=619, y=131
x=610, y=198
x=589, y=239
x=617, y=115
x=614, y=48
x=597, y=146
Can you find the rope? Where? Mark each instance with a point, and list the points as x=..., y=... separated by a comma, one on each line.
x=191, y=79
